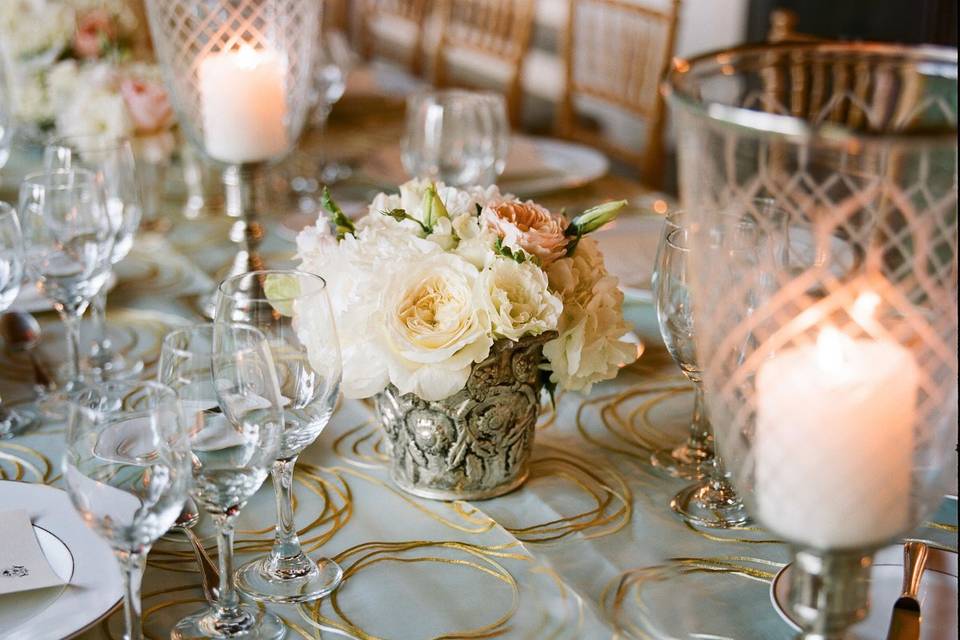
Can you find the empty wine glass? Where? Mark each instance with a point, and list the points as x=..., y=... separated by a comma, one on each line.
x=228, y=393
x=112, y=161
x=458, y=137
x=68, y=240
x=127, y=470
x=6, y=110
x=12, y=421
x=687, y=459
x=292, y=309
x=711, y=502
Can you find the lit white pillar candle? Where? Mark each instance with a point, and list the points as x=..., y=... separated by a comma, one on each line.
x=834, y=441
x=243, y=105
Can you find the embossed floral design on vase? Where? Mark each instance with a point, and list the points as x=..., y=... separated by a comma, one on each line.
x=454, y=309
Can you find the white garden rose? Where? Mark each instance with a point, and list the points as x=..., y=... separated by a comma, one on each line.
x=434, y=328
x=517, y=299
x=589, y=348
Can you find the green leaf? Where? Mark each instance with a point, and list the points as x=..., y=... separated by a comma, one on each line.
x=342, y=223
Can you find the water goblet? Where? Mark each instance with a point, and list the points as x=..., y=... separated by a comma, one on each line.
x=12, y=421
x=112, y=161
x=127, y=471
x=68, y=240
x=458, y=137
x=228, y=394
x=712, y=501
x=292, y=309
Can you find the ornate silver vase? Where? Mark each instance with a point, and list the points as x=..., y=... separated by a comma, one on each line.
x=475, y=444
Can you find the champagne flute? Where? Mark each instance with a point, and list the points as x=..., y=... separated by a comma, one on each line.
x=12, y=421
x=712, y=501
x=68, y=241
x=127, y=470
x=111, y=160
x=229, y=396
x=292, y=309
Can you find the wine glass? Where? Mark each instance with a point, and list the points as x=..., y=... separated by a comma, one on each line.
x=228, y=394
x=6, y=110
x=687, y=459
x=68, y=239
x=112, y=161
x=127, y=471
x=458, y=137
x=711, y=502
x=12, y=421
x=292, y=309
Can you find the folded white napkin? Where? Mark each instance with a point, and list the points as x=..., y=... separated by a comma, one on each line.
x=23, y=567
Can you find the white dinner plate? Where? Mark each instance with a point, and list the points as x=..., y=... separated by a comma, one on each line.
x=565, y=165
x=31, y=300
x=938, y=595
x=75, y=553
x=629, y=246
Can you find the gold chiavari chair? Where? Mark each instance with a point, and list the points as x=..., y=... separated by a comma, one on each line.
x=615, y=52
x=394, y=29
x=487, y=32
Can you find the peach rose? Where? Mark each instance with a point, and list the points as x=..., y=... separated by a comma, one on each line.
x=148, y=105
x=94, y=28
x=528, y=226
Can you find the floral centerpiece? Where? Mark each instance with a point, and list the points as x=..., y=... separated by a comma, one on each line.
x=454, y=308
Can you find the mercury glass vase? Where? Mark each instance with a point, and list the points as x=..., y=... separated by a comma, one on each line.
x=476, y=443
x=831, y=353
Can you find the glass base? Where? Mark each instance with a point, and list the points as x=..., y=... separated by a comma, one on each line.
x=292, y=580
x=682, y=461
x=14, y=421
x=710, y=504
x=251, y=624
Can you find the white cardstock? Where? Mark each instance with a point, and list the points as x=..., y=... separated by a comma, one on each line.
x=23, y=567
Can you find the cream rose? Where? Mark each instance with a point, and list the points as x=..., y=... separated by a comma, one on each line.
x=517, y=299
x=434, y=330
x=528, y=226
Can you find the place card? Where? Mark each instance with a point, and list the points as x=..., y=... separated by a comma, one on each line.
x=23, y=567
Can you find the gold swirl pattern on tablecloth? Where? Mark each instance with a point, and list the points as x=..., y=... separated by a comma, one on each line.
x=19, y=462
x=484, y=560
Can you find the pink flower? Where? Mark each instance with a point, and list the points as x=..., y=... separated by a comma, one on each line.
x=95, y=28
x=148, y=105
x=528, y=226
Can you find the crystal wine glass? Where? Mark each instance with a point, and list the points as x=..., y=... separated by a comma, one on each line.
x=12, y=421
x=458, y=137
x=112, y=161
x=228, y=393
x=127, y=470
x=292, y=309
x=68, y=240
x=6, y=110
x=711, y=502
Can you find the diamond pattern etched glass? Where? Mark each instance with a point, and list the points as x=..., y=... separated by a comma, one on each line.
x=831, y=374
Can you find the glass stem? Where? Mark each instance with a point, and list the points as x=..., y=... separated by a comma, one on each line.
x=71, y=324
x=286, y=543
x=131, y=566
x=700, y=437
x=228, y=602
x=98, y=317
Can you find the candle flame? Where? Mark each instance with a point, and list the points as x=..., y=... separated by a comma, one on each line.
x=832, y=349
x=247, y=57
x=865, y=308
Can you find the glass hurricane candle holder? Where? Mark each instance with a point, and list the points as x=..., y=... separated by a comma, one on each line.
x=240, y=78
x=830, y=355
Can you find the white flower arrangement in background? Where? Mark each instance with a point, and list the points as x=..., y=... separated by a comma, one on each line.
x=427, y=281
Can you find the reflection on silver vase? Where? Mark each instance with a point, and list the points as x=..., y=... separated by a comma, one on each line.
x=475, y=444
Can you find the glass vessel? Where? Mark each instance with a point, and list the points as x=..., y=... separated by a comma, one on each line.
x=127, y=471
x=68, y=241
x=458, y=137
x=712, y=501
x=831, y=375
x=6, y=109
x=112, y=161
x=12, y=421
x=292, y=309
x=228, y=392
